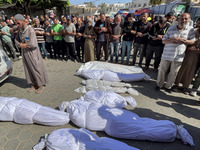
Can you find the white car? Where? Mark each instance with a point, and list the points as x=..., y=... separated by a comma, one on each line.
x=5, y=66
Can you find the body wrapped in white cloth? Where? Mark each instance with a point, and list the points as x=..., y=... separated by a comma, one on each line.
x=79, y=139
x=110, y=99
x=124, y=124
x=23, y=111
x=111, y=72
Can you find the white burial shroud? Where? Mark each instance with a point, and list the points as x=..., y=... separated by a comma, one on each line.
x=111, y=72
x=110, y=99
x=23, y=111
x=101, y=85
x=79, y=139
x=124, y=124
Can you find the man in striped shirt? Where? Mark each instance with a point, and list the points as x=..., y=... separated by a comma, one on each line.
x=176, y=40
x=40, y=37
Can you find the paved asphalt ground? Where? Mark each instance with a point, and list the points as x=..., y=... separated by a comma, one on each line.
x=176, y=107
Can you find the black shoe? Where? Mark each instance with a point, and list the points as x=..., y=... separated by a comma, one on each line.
x=155, y=70
x=175, y=88
x=157, y=88
x=146, y=68
x=168, y=90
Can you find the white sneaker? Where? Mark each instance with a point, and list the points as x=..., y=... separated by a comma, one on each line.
x=193, y=93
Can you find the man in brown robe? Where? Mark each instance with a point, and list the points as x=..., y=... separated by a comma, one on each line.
x=33, y=65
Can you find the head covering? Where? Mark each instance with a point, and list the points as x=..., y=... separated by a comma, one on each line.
x=68, y=17
x=19, y=17
x=90, y=20
x=51, y=14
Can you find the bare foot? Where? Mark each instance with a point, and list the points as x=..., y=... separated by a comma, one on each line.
x=40, y=89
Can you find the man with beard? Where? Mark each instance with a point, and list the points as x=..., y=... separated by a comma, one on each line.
x=33, y=65
x=102, y=28
x=176, y=39
x=79, y=39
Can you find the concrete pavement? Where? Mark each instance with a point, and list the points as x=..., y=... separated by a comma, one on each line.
x=176, y=107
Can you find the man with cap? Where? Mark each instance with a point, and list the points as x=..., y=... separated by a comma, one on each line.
x=69, y=32
x=35, y=71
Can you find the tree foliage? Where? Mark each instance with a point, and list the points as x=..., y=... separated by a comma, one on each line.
x=27, y=5
x=156, y=2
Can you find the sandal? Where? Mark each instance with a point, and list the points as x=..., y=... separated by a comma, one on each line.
x=39, y=90
x=198, y=103
x=31, y=89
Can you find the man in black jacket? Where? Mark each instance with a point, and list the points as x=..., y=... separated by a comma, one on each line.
x=155, y=42
x=127, y=38
x=102, y=28
x=141, y=30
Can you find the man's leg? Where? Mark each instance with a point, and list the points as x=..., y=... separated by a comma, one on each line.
x=123, y=51
x=136, y=48
x=149, y=55
x=82, y=49
x=78, y=49
x=72, y=51
x=129, y=47
x=164, y=66
x=40, y=47
x=158, y=53
x=111, y=51
x=98, y=50
x=141, y=49
x=174, y=68
x=44, y=49
x=117, y=47
x=55, y=48
x=105, y=48
x=12, y=49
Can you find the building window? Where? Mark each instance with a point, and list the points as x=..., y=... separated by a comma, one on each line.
x=139, y=5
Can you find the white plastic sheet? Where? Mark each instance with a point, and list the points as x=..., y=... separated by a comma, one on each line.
x=121, y=123
x=79, y=139
x=110, y=99
x=23, y=111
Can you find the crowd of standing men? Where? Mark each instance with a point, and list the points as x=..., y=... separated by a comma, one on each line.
x=172, y=40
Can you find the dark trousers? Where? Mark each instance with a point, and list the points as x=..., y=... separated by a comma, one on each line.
x=141, y=49
x=98, y=49
x=79, y=48
x=49, y=46
x=70, y=49
x=151, y=49
x=57, y=46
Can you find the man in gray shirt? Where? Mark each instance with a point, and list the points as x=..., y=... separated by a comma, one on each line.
x=115, y=38
x=69, y=37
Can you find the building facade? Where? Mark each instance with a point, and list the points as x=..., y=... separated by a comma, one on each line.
x=140, y=3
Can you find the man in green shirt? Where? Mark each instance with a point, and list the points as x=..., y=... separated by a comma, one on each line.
x=6, y=37
x=56, y=31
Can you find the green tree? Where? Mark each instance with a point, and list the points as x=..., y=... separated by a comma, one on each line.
x=27, y=5
x=156, y=2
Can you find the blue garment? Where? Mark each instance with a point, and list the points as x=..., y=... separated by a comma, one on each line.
x=42, y=47
x=114, y=50
x=126, y=45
